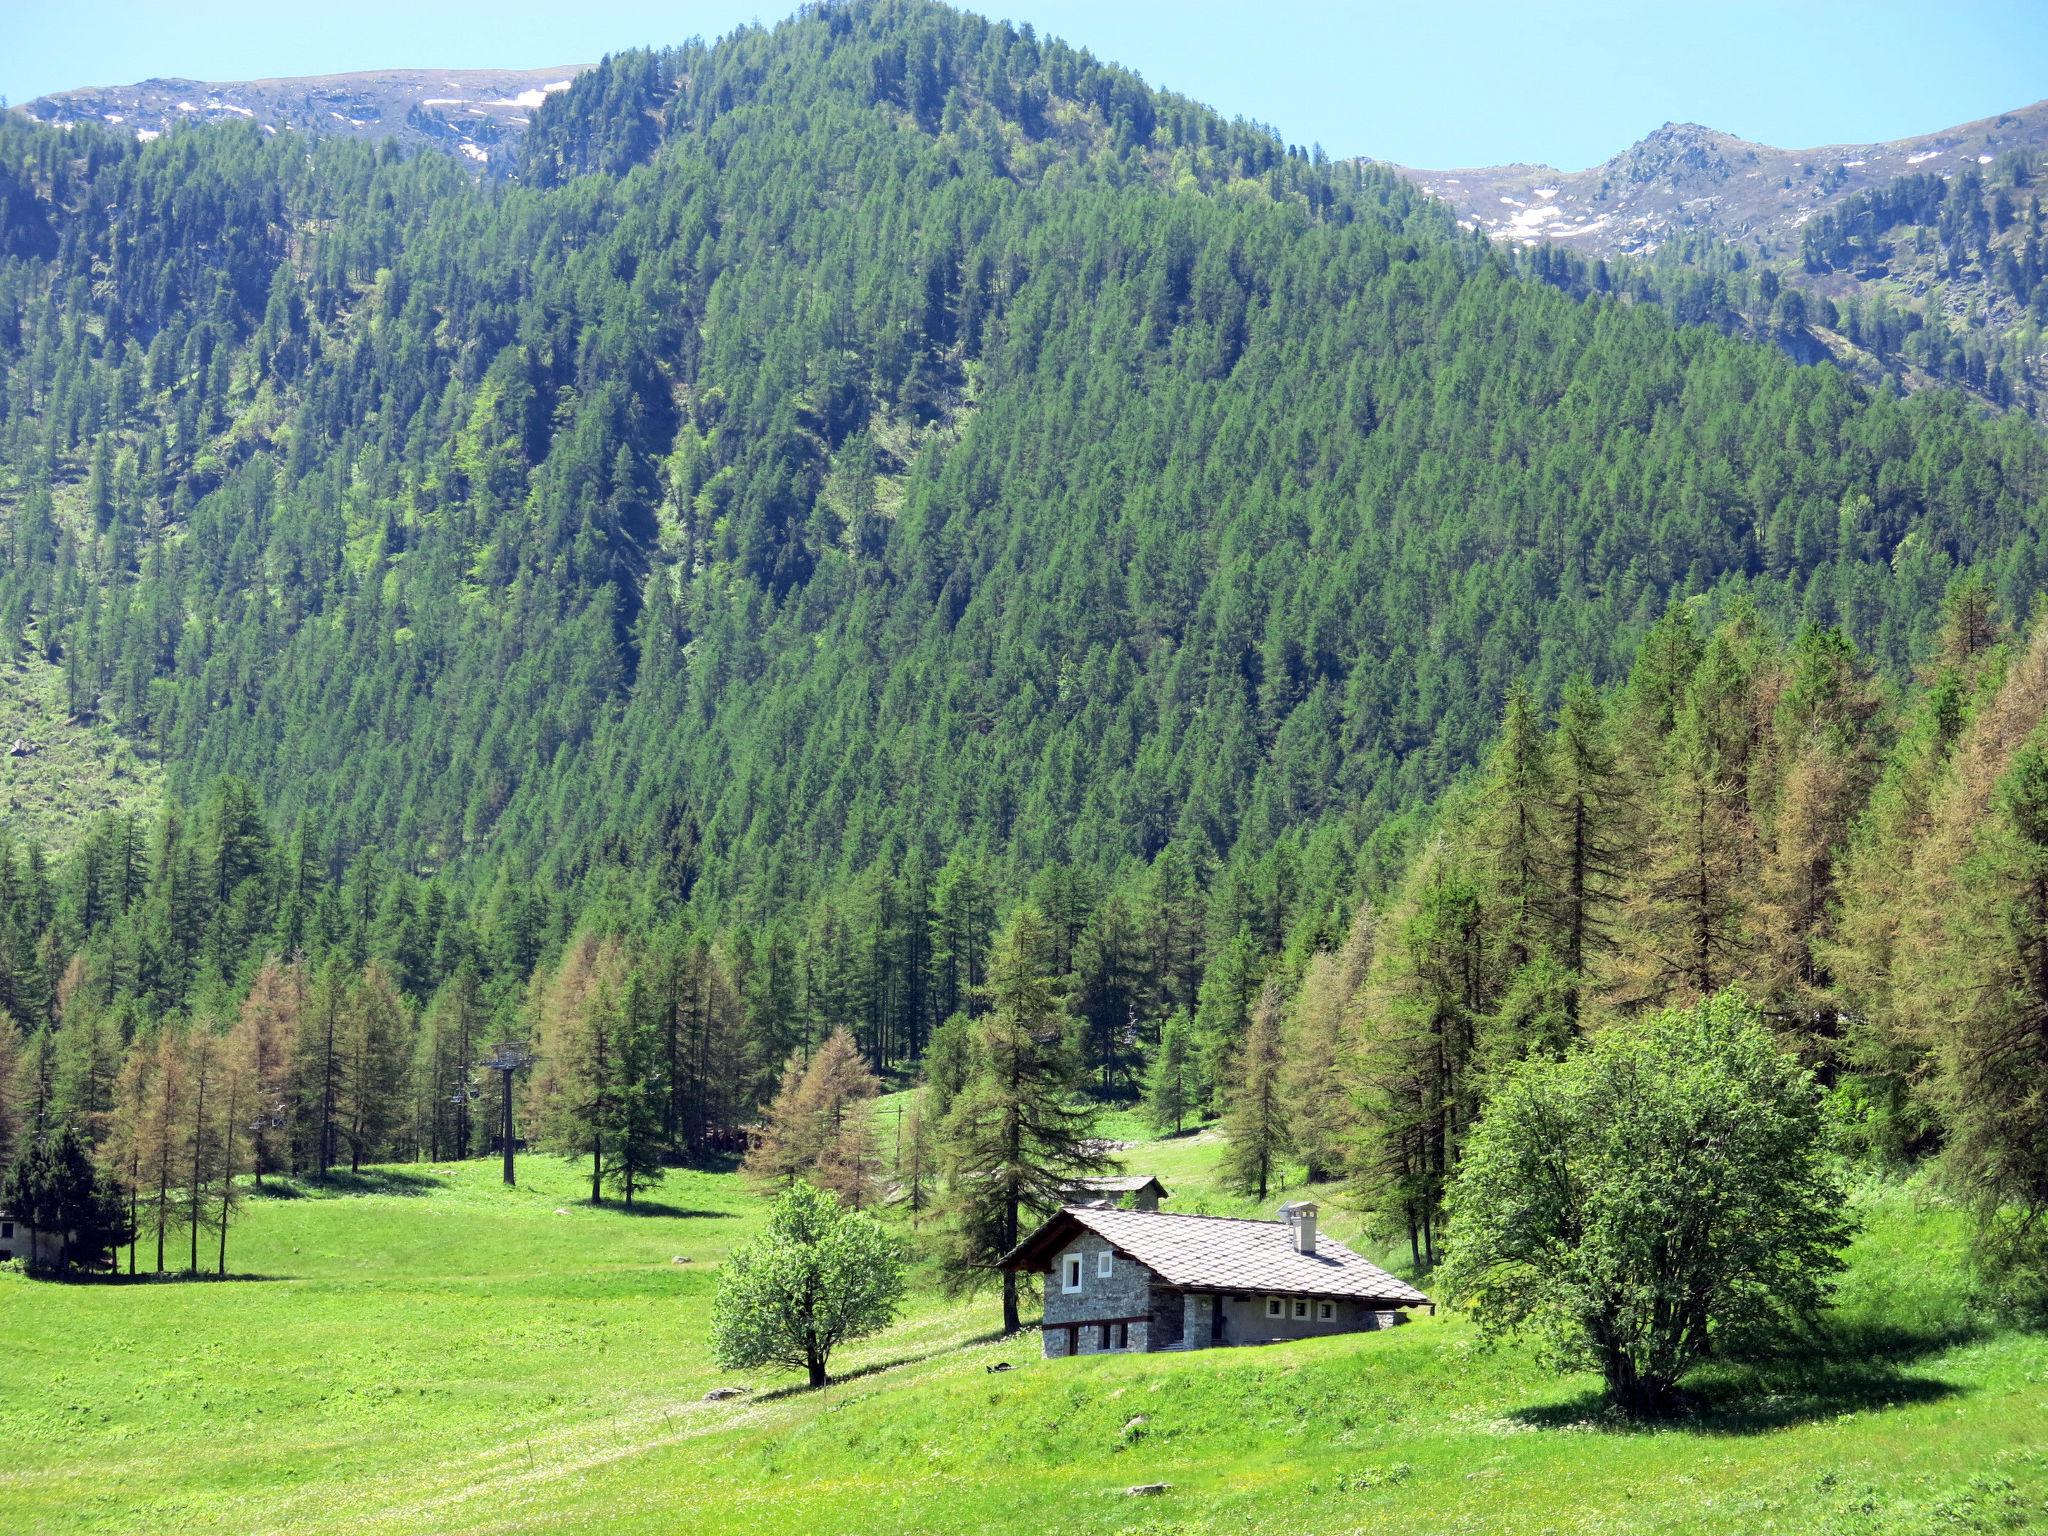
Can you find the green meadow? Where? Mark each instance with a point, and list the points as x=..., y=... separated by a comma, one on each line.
x=422, y=1350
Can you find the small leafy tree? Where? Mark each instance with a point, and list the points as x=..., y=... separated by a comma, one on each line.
x=1661, y=1188
x=817, y=1276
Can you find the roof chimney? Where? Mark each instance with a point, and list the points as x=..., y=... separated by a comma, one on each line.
x=1300, y=1216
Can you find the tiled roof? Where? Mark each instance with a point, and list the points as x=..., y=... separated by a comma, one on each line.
x=1222, y=1253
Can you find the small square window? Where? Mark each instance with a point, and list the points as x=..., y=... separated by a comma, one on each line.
x=1072, y=1280
x=1273, y=1308
x=6, y=1229
x=1301, y=1310
x=1103, y=1263
x=1325, y=1311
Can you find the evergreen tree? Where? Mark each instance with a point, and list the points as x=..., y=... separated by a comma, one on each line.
x=1170, y=1086
x=1016, y=1137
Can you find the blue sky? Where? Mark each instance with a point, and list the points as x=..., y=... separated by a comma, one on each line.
x=1567, y=83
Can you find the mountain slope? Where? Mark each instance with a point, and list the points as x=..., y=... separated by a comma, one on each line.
x=913, y=438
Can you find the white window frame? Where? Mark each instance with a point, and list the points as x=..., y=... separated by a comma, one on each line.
x=1325, y=1311
x=1070, y=1274
x=1105, y=1263
x=1273, y=1307
x=1301, y=1309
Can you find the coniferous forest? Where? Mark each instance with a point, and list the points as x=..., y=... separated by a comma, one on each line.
x=892, y=525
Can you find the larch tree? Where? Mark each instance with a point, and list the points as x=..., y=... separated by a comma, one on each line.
x=1993, y=1043
x=1255, y=1120
x=267, y=1028
x=160, y=1130
x=123, y=1155
x=1417, y=1023
x=1684, y=920
x=820, y=1126
x=1018, y=1135
x=201, y=1136
x=10, y=1056
x=914, y=1162
x=35, y=1086
x=319, y=1062
x=1315, y=1051
x=237, y=1087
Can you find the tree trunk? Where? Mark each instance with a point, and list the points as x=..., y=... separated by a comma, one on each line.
x=817, y=1372
x=1011, y=1323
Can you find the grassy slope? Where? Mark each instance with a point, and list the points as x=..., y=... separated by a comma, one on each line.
x=434, y=1353
x=77, y=769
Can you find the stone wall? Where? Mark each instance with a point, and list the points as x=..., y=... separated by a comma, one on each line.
x=1245, y=1320
x=1125, y=1292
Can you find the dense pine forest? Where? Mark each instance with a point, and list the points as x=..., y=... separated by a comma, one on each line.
x=893, y=522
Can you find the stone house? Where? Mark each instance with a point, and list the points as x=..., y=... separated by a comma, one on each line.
x=1139, y=1191
x=1120, y=1280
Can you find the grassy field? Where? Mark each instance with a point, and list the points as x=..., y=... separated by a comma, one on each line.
x=422, y=1350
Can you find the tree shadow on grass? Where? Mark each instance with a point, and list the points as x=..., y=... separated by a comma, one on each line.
x=1847, y=1368
x=877, y=1367
x=340, y=1182
x=169, y=1277
x=641, y=1207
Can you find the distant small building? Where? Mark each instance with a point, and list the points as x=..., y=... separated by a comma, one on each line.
x=1144, y=1280
x=1139, y=1191
x=19, y=1240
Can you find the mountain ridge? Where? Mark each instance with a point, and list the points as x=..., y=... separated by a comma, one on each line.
x=478, y=115
x=1690, y=160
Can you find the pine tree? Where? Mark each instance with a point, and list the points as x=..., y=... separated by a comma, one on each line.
x=1017, y=1136
x=1230, y=986
x=1255, y=1123
x=1518, y=834
x=373, y=1027
x=636, y=1130
x=1170, y=1086
x=1592, y=813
